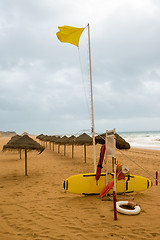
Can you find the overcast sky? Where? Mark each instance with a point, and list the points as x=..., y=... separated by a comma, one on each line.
x=44, y=84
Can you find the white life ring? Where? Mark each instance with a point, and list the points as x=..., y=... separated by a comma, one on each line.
x=133, y=207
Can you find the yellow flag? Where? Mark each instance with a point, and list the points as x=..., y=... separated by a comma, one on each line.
x=69, y=34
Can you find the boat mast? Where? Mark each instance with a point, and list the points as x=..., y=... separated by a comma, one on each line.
x=93, y=131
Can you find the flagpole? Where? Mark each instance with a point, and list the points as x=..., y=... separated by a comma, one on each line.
x=93, y=131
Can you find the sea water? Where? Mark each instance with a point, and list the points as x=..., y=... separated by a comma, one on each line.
x=148, y=139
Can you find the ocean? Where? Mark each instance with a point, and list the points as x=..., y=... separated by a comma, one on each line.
x=144, y=139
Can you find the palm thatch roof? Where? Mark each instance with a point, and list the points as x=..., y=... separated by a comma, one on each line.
x=71, y=140
x=23, y=142
x=46, y=138
x=83, y=139
x=120, y=142
x=62, y=140
x=54, y=138
x=14, y=138
x=40, y=136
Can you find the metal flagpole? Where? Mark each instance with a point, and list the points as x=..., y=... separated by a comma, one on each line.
x=93, y=131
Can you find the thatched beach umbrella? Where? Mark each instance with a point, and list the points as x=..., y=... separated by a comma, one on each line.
x=53, y=140
x=63, y=141
x=57, y=142
x=13, y=139
x=84, y=140
x=46, y=139
x=120, y=142
x=40, y=137
x=71, y=141
x=23, y=142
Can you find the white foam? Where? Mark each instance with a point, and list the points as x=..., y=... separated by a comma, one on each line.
x=149, y=140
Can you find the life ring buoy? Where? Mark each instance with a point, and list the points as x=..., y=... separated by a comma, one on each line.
x=133, y=207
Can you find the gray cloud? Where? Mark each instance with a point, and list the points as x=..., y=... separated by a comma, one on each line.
x=41, y=86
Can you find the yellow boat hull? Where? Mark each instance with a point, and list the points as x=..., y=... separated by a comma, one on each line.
x=86, y=184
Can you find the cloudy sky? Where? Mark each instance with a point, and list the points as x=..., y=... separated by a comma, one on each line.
x=44, y=84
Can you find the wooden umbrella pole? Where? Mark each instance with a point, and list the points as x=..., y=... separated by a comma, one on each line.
x=25, y=162
x=156, y=178
x=72, y=150
x=53, y=146
x=58, y=148
x=85, y=153
x=64, y=149
x=115, y=178
x=114, y=191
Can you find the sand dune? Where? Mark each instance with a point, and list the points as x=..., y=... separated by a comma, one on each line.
x=36, y=207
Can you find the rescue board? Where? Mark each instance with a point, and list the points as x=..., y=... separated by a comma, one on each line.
x=86, y=184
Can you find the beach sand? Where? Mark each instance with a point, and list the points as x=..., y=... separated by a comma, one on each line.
x=37, y=207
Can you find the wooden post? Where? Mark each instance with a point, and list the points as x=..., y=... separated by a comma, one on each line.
x=58, y=148
x=20, y=153
x=64, y=149
x=156, y=178
x=53, y=146
x=115, y=184
x=25, y=162
x=72, y=150
x=114, y=191
x=85, y=153
x=114, y=205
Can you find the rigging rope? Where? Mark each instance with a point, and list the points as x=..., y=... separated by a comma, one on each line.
x=83, y=83
x=138, y=165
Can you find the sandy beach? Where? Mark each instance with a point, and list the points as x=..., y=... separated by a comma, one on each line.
x=37, y=207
